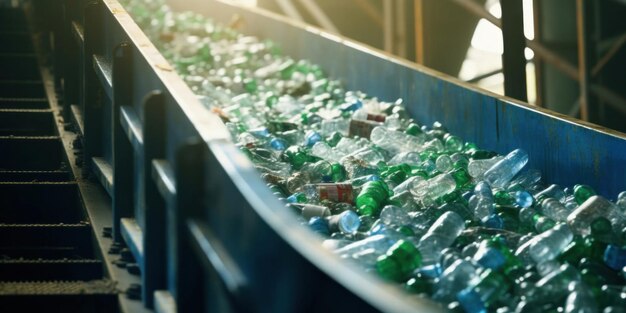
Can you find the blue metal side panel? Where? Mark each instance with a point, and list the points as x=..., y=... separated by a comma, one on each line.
x=247, y=238
x=142, y=85
x=178, y=130
x=566, y=152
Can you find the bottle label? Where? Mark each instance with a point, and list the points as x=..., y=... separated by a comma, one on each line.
x=376, y=117
x=335, y=192
x=362, y=128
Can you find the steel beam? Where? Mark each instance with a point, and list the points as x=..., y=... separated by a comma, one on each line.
x=513, y=59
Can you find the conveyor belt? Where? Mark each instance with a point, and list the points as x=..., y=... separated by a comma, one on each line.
x=47, y=254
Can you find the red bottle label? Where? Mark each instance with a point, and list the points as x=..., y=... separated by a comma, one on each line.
x=335, y=192
x=376, y=117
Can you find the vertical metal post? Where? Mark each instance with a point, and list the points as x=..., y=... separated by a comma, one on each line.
x=290, y=9
x=400, y=33
x=584, y=20
x=388, y=25
x=419, y=32
x=123, y=162
x=539, y=66
x=154, y=231
x=513, y=60
x=92, y=107
x=558, y=74
x=189, y=169
x=320, y=17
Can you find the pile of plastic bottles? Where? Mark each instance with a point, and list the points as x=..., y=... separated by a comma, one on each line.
x=444, y=219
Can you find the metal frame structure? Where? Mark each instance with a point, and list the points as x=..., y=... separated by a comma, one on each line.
x=205, y=231
x=587, y=66
x=392, y=20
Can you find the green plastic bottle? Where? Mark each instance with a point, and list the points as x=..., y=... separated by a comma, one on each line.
x=399, y=262
x=370, y=200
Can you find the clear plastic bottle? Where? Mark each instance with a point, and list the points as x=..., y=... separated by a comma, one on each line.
x=366, y=251
x=340, y=125
x=410, y=158
x=596, y=206
x=346, y=222
x=407, y=184
x=439, y=236
x=621, y=201
x=405, y=200
x=324, y=151
x=444, y=163
x=454, y=279
x=549, y=244
x=481, y=203
x=483, y=292
x=395, y=141
x=580, y=299
x=552, y=191
x=525, y=180
x=369, y=155
x=501, y=173
x=346, y=146
x=395, y=215
x=553, y=285
x=440, y=185
x=477, y=168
